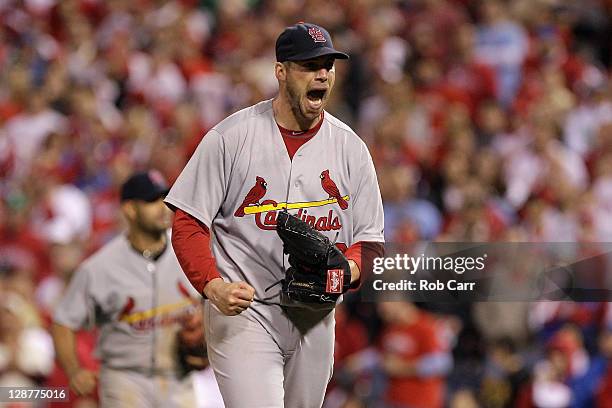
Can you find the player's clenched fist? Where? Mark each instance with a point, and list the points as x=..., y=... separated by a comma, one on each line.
x=230, y=298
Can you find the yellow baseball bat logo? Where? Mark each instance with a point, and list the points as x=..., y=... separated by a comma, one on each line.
x=256, y=209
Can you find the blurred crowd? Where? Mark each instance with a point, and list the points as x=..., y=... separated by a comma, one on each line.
x=488, y=120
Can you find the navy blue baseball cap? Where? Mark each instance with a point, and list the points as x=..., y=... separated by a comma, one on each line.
x=145, y=186
x=304, y=41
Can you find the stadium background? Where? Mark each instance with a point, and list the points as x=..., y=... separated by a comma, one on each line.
x=488, y=120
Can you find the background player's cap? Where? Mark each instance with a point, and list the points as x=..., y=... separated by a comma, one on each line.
x=304, y=41
x=146, y=186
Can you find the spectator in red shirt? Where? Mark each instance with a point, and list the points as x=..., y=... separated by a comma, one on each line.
x=351, y=336
x=473, y=80
x=412, y=356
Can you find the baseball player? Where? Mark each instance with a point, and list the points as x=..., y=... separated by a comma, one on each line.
x=134, y=290
x=281, y=154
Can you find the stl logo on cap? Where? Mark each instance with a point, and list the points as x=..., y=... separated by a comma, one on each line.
x=316, y=34
x=156, y=177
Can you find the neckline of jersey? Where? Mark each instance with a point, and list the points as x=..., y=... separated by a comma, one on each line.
x=303, y=134
x=148, y=255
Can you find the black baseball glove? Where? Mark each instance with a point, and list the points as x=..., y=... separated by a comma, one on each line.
x=319, y=272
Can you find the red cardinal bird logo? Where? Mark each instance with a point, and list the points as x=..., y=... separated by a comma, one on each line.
x=129, y=305
x=183, y=289
x=254, y=195
x=330, y=188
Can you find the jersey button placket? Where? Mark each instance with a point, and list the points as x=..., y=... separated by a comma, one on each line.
x=297, y=179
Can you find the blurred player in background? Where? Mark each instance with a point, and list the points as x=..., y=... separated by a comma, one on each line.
x=151, y=329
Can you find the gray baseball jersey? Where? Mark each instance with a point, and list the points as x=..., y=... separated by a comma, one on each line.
x=241, y=174
x=136, y=302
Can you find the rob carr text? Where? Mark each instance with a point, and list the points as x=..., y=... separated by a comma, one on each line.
x=423, y=285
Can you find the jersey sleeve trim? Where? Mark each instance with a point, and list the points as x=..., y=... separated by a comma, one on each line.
x=190, y=210
x=66, y=323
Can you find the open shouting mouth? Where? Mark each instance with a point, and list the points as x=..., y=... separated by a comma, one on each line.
x=315, y=98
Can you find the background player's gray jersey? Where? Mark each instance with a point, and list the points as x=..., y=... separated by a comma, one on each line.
x=135, y=301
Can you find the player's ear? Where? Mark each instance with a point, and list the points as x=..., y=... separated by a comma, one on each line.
x=128, y=208
x=280, y=71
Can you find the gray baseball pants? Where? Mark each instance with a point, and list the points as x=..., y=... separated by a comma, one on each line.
x=258, y=370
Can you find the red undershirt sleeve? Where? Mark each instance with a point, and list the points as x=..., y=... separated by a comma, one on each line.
x=363, y=254
x=191, y=243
